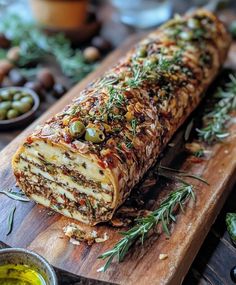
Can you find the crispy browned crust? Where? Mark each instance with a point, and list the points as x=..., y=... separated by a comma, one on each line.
x=141, y=102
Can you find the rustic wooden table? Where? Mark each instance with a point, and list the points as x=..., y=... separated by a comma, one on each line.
x=217, y=255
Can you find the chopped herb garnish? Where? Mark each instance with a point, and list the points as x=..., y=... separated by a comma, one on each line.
x=116, y=98
x=137, y=79
x=134, y=125
x=129, y=144
x=199, y=153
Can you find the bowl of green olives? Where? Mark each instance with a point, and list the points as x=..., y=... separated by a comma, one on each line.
x=17, y=106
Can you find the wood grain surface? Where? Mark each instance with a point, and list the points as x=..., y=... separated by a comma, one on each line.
x=36, y=229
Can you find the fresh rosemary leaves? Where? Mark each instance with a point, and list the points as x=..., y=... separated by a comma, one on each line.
x=10, y=220
x=214, y=122
x=34, y=45
x=15, y=195
x=164, y=215
x=178, y=174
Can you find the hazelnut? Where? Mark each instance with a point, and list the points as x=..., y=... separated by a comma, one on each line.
x=35, y=86
x=2, y=76
x=46, y=78
x=16, y=78
x=193, y=147
x=5, y=66
x=4, y=41
x=58, y=90
x=13, y=54
x=91, y=54
x=100, y=43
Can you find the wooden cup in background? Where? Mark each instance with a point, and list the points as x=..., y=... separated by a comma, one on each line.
x=60, y=14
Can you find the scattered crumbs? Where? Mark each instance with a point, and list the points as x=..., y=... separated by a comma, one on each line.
x=79, y=234
x=102, y=239
x=117, y=222
x=163, y=256
x=171, y=144
x=94, y=234
x=51, y=213
x=74, y=241
x=194, y=148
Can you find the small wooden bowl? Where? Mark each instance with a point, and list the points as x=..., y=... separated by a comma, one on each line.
x=23, y=119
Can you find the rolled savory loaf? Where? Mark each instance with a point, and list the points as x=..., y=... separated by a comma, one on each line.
x=85, y=160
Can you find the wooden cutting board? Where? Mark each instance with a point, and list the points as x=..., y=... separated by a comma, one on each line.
x=35, y=229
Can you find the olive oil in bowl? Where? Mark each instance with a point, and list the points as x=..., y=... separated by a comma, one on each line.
x=20, y=266
x=20, y=275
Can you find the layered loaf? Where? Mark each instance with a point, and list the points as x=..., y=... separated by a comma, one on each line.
x=84, y=161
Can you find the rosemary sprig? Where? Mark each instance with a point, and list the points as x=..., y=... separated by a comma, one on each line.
x=214, y=128
x=10, y=220
x=179, y=173
x=15, y=195
x=34, y=45
x=164, y=215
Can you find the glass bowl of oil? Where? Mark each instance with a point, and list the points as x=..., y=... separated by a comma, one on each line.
x=23, y=267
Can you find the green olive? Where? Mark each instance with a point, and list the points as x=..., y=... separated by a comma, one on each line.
x=13, y=91
x=94, y=135
x=6, y=95
x=12, y=113
x=6, y=105
x=27, y=99
x=188, y=35
x=151, y=60
x=21, y=107
x=17, y=96
x=142, y=52
x=3, y=114
x=193, y=23
x=77, y=129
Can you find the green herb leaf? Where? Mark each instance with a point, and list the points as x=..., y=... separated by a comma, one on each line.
x=34, y=45
x=165, y=214
x=134, y=126
x=15, y=196
x=214, y=127
x=180, y=173
x=10, y=220
x=231, y=226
